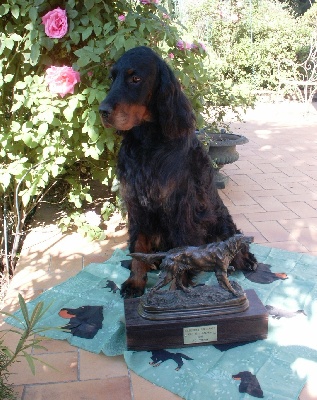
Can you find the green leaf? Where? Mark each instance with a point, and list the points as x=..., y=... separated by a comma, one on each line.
x=15, y=11
x=30, y=361
x=89, y=4
x=75, y=37
x=68, y=113
x=9, y=43
x=16, y=37
x=24, y=310
x=33, y=14
x=4, y=9
x=87, y=32
x=35, y=52
x=35, y=317
x=15, y=126
x=8, y=77
x=20, y=85
x=5, y=179
x=43, y=128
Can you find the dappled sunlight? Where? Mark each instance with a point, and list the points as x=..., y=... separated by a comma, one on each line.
x=306, y=370
x=267, y=147
x=263, y=133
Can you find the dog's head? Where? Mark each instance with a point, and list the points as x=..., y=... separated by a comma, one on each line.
x=145, y=89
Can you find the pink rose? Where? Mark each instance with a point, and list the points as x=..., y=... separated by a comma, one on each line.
x=121, y=18
x=61, y=80
x=171, y=56
x=55, y=23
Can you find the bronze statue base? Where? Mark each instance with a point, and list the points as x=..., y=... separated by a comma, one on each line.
x=197, y=301
x=199, y=325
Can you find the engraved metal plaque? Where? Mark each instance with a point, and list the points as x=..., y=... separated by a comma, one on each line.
x=200, y=334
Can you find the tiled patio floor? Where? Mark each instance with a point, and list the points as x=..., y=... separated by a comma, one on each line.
x=272, y=195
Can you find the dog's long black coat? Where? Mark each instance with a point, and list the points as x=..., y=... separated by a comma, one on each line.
x=166, y=178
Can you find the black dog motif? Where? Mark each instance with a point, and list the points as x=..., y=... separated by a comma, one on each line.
x=112, y=286
x=249, y=384
x=84, y=321
x=278, y=313
x=159, y=356
x=166, y=178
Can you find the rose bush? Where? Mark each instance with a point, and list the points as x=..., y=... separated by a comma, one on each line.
x=54, y=66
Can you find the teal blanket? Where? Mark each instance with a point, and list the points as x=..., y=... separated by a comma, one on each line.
x=90, y=308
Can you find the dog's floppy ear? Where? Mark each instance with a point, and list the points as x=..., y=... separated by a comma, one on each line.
x=175, y=112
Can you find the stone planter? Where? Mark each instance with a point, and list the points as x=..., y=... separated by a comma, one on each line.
x=222, y=150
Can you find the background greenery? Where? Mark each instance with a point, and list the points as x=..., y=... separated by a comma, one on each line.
x=52, y=145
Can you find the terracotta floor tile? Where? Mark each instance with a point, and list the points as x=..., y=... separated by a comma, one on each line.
x=302, y=209
x=269, y=203
x=64, y=364
x=55, y=346
x=307, y=237
x=253, y=208
x=99, y=366
x=309, y=391
x=243, y=223
x=241, y=198
x=273, y=231
x=290, y=198
x=72, y=263
x=266, y=167
x=270, y=215
x=19, y=391
x=145, y=390
x=268, y=183
x=112, y=389
x=296, y=188
x=297, y=224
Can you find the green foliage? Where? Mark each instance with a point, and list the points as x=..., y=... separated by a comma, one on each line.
x=252, y=42
x=26, y=341
x=45, y=136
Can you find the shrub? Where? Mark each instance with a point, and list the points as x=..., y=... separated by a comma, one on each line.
x=252, y=41
x=54, y=63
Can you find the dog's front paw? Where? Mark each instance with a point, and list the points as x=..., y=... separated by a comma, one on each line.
x=133, y=287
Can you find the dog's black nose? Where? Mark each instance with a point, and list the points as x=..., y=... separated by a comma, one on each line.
x=105, y=110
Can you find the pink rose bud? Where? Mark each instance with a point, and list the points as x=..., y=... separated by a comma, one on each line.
x=55, y=23
x=171, y=56
x=61, y=80
x=121, y=18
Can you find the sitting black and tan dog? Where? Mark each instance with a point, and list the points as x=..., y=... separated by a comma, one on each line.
x=166, y=177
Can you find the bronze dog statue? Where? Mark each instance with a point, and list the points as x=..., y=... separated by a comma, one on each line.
x=209, y=257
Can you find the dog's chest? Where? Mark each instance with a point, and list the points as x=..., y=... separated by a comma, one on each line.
x=149, y=175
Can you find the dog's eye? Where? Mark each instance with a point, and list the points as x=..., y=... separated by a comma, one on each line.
x=135, y=79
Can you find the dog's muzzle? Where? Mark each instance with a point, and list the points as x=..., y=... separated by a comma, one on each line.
x=105, y=112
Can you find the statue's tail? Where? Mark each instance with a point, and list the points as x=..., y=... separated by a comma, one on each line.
x=148, y=258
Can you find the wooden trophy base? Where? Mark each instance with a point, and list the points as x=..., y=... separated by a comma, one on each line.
x=197, y=329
